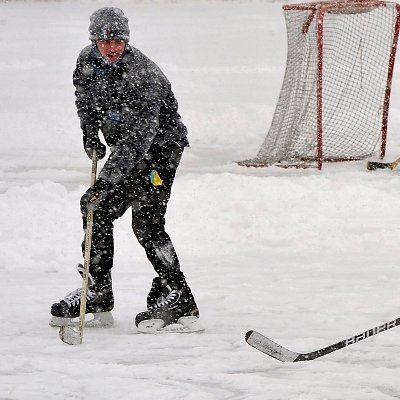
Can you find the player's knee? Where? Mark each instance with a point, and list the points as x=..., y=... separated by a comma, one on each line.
x=147, y=230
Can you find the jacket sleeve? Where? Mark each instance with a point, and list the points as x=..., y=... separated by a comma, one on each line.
x=139, y=128
x=84, y=100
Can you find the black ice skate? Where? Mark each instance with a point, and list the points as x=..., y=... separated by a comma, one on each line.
x=170, y=307
x=100, y=301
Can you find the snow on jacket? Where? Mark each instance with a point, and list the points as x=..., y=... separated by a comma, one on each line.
x=131, y=102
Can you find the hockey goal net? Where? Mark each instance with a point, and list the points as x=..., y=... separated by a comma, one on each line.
x=334, y=101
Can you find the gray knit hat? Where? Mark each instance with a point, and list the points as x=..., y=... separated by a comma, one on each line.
x=109, y=23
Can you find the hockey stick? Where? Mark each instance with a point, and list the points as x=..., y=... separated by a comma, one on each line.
x=275, y=350
x=69, y=334
x=373, y=165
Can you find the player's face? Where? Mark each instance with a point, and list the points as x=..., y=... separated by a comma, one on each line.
x=111, y=50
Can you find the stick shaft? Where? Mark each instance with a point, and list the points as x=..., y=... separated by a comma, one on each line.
x=349, y=341
x=395, y=164
x=88, y=245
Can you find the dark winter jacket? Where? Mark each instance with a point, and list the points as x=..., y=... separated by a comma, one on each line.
x=131, y=102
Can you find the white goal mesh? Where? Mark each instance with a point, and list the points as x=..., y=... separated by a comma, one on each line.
x=334, y=100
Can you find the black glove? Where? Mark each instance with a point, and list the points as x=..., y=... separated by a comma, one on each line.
x=92, y=142
x=96, y=196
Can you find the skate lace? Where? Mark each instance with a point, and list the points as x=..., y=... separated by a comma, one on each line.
x=74, y=298
x=171, y=299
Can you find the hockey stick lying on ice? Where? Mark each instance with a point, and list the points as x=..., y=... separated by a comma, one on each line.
x=275, y=350
x=69, y=334
x=373, y=165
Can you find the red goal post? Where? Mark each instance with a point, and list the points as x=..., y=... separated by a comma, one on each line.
x=334, y=100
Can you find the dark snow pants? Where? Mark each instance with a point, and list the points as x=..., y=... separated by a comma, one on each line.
x=149, y=204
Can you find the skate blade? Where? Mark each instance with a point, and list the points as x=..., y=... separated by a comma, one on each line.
x=184, y=325
x=99, y=320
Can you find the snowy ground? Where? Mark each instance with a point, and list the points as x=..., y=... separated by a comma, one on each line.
x=306, y=257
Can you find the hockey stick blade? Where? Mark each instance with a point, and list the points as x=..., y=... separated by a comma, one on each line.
x=373, y=165
x=70, y=335
x=275, y=350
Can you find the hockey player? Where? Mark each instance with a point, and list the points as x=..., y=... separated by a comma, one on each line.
x=123, y=94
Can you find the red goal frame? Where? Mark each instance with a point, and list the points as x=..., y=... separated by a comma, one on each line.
x=319, y=10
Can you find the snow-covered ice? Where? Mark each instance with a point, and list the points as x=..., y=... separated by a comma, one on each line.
x=306, y=257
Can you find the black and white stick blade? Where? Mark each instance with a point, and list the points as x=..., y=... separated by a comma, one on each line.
x=275, y=350
x=372, y=165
